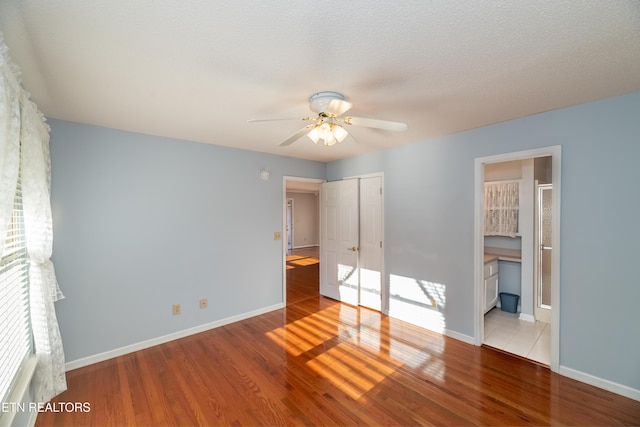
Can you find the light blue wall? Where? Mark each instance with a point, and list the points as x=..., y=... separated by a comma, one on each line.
x=143, y=222
x=429, y=231
x=510, y=278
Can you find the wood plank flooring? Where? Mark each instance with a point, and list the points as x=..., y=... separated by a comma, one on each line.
x=319, y=362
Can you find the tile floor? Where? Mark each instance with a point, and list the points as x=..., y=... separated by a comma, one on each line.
x=505, y=331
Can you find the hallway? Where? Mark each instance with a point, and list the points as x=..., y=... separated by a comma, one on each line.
x=303, y=274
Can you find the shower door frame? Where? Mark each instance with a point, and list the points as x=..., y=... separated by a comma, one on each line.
x=542, y=312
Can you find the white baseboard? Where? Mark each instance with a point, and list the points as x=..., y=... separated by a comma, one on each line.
x=85, y=361
x=620, y=389
x=527, y=317
x=458, y=336
x=306, y=246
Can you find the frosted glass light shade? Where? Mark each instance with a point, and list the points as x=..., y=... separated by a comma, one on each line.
x=330, y=134
x=314, y=135
x=340, y=133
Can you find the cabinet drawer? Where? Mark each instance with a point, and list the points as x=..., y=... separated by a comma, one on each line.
x=490, y=269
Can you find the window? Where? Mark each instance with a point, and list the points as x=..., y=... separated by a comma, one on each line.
x=501, y=208
x=15, y=333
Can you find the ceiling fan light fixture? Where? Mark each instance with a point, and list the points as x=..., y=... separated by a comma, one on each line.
x=325, y=132
x=340, y=133
x=314, y=135
x=331, y=140
x=329, y=133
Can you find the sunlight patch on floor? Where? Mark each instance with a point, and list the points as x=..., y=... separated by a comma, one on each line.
x=355, y=373
x=304, y=262
x=351, y=353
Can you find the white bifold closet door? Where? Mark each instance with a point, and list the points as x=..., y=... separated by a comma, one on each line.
x=351, y=241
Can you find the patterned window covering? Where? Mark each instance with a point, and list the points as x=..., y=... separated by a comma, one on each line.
x=501, y=208
x=24, y=150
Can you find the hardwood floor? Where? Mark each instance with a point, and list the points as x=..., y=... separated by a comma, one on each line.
x=303, y=269
x=319, y=362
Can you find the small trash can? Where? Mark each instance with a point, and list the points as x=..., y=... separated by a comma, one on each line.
x=509, y=302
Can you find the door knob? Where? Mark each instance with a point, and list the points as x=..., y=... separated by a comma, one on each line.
x=353, y=249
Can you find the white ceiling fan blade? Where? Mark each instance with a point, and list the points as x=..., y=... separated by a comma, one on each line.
x=275, y=120
x=293, y=138
x=351, y=140
x=375, y=123
x=338, y=107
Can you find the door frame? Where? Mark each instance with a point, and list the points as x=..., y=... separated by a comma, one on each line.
x=284, y=246
x=288, y=225
x=478, y=256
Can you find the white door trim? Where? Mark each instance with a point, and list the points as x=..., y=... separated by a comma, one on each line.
x=283, y=251
x=478, y=256
x=289, y=224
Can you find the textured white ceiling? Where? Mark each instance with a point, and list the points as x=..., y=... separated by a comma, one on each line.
x=198, y=70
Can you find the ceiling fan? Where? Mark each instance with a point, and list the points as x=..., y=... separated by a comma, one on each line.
x=328, y=124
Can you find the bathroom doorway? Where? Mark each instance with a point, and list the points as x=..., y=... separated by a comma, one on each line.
x=528, y=290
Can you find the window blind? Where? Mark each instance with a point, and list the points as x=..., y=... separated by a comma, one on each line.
x=15, y=333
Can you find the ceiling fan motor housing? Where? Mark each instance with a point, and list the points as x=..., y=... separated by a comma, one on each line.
x=320, y=101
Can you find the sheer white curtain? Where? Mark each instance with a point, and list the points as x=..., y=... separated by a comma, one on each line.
x=9, y=139
x=501, y=208
x=24, y=147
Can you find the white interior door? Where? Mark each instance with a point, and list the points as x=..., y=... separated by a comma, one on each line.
x=370, y=260
x=339, y=241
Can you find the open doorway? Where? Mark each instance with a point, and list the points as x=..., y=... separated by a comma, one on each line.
x=522, y=258
x=301, y=251
x=515, y=320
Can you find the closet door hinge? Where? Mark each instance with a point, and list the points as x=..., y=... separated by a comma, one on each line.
x=380, y=244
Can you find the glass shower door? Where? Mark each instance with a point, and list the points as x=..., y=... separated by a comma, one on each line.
x=543, y=294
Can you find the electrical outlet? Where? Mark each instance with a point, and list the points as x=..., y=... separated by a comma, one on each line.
x=176, y=309
x=204, y=303
x=277, y=235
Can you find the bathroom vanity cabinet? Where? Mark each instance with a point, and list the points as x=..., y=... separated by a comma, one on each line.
x=492, y=257
x=490, y=282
